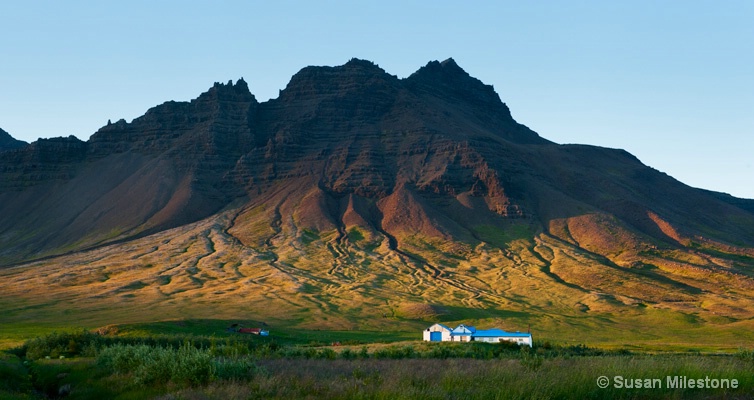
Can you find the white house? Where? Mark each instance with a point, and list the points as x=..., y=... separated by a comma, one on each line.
x=495, y=335
x=463, y=333
x=437, y=333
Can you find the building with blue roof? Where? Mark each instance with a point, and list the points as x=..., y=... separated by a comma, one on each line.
x=466, y=333
x=462, y=333
x=495, y=335
x=437, y=333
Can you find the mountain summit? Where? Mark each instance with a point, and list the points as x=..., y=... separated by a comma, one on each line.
x=7, y=142
x=439, y=143
x=428, y=176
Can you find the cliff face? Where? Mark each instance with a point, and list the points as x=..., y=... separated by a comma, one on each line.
x=166, y=168
x=436, y=154
x=215, y=122
x=42, y=161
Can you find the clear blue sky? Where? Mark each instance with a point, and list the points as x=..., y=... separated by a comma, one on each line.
x=670, y=81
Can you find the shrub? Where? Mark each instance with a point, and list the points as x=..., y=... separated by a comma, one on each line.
x=267, y=350
x=363, y=353
x=395, y=353
x=442, y=351
x=234, y=369
x=309, y=353
x=745, y=354
x=45, y=377
x=381, y=354
x=185, y=365
x=190, y=365
x=13, y=375
x=326, y=353
x=348, y=354
x=58, y=344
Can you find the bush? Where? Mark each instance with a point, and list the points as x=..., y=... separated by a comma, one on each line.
x=381, y=354
x=190, y=365
x=45, y=377
x=57, y=344
x=234, y=369
x=745, y=354
x=85, y=343
x=186, y=365
x=13, y=375
x=395, y=353
x=347, y=354
x=363, y=353
x=326, y=353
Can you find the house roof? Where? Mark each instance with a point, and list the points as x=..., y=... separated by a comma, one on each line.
x=494, y=332
x=463, y=330
x=442, y=326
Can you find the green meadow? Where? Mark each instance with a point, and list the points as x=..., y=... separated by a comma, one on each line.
x=179, y=361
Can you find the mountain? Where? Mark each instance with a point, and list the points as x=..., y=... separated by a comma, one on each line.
x=356, y=192
x=7, y=142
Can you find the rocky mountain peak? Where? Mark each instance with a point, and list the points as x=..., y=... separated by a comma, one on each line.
x=230, y=91
x=447, y=79
x=364, y=64
x=224, y=108
x=57, y=150
x=450, y=62
x=448, y=86
x=8, y=142
x=354, y=76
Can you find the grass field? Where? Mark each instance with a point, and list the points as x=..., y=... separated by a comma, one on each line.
x=644, y=297
x=644, y=307
x=130, y=365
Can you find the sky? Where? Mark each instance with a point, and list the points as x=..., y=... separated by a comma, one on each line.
x=672, y=82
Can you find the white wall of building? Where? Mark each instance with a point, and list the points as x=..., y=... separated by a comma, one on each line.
x=496, y=339
x=437, y=328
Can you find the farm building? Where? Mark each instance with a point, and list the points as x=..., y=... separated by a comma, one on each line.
x=254, y=331
x=464, y=333
x=495, y=335
x=237, y=328
x=437, y=333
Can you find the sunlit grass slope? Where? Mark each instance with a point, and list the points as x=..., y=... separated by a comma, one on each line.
x=238, y=266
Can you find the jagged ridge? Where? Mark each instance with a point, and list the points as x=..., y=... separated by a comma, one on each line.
x=436, y=154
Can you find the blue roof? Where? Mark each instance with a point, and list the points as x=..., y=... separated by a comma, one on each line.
x=494, y=332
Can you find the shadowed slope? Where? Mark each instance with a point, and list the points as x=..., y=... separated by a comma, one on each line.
x=167, y=168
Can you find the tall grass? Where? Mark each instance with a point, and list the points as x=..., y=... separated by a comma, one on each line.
x=186, y=365
x=558, y=378
x=14, y=378
x=88, y=344
x=210, y=368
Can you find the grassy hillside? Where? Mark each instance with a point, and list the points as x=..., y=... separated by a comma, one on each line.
x=644, y=296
